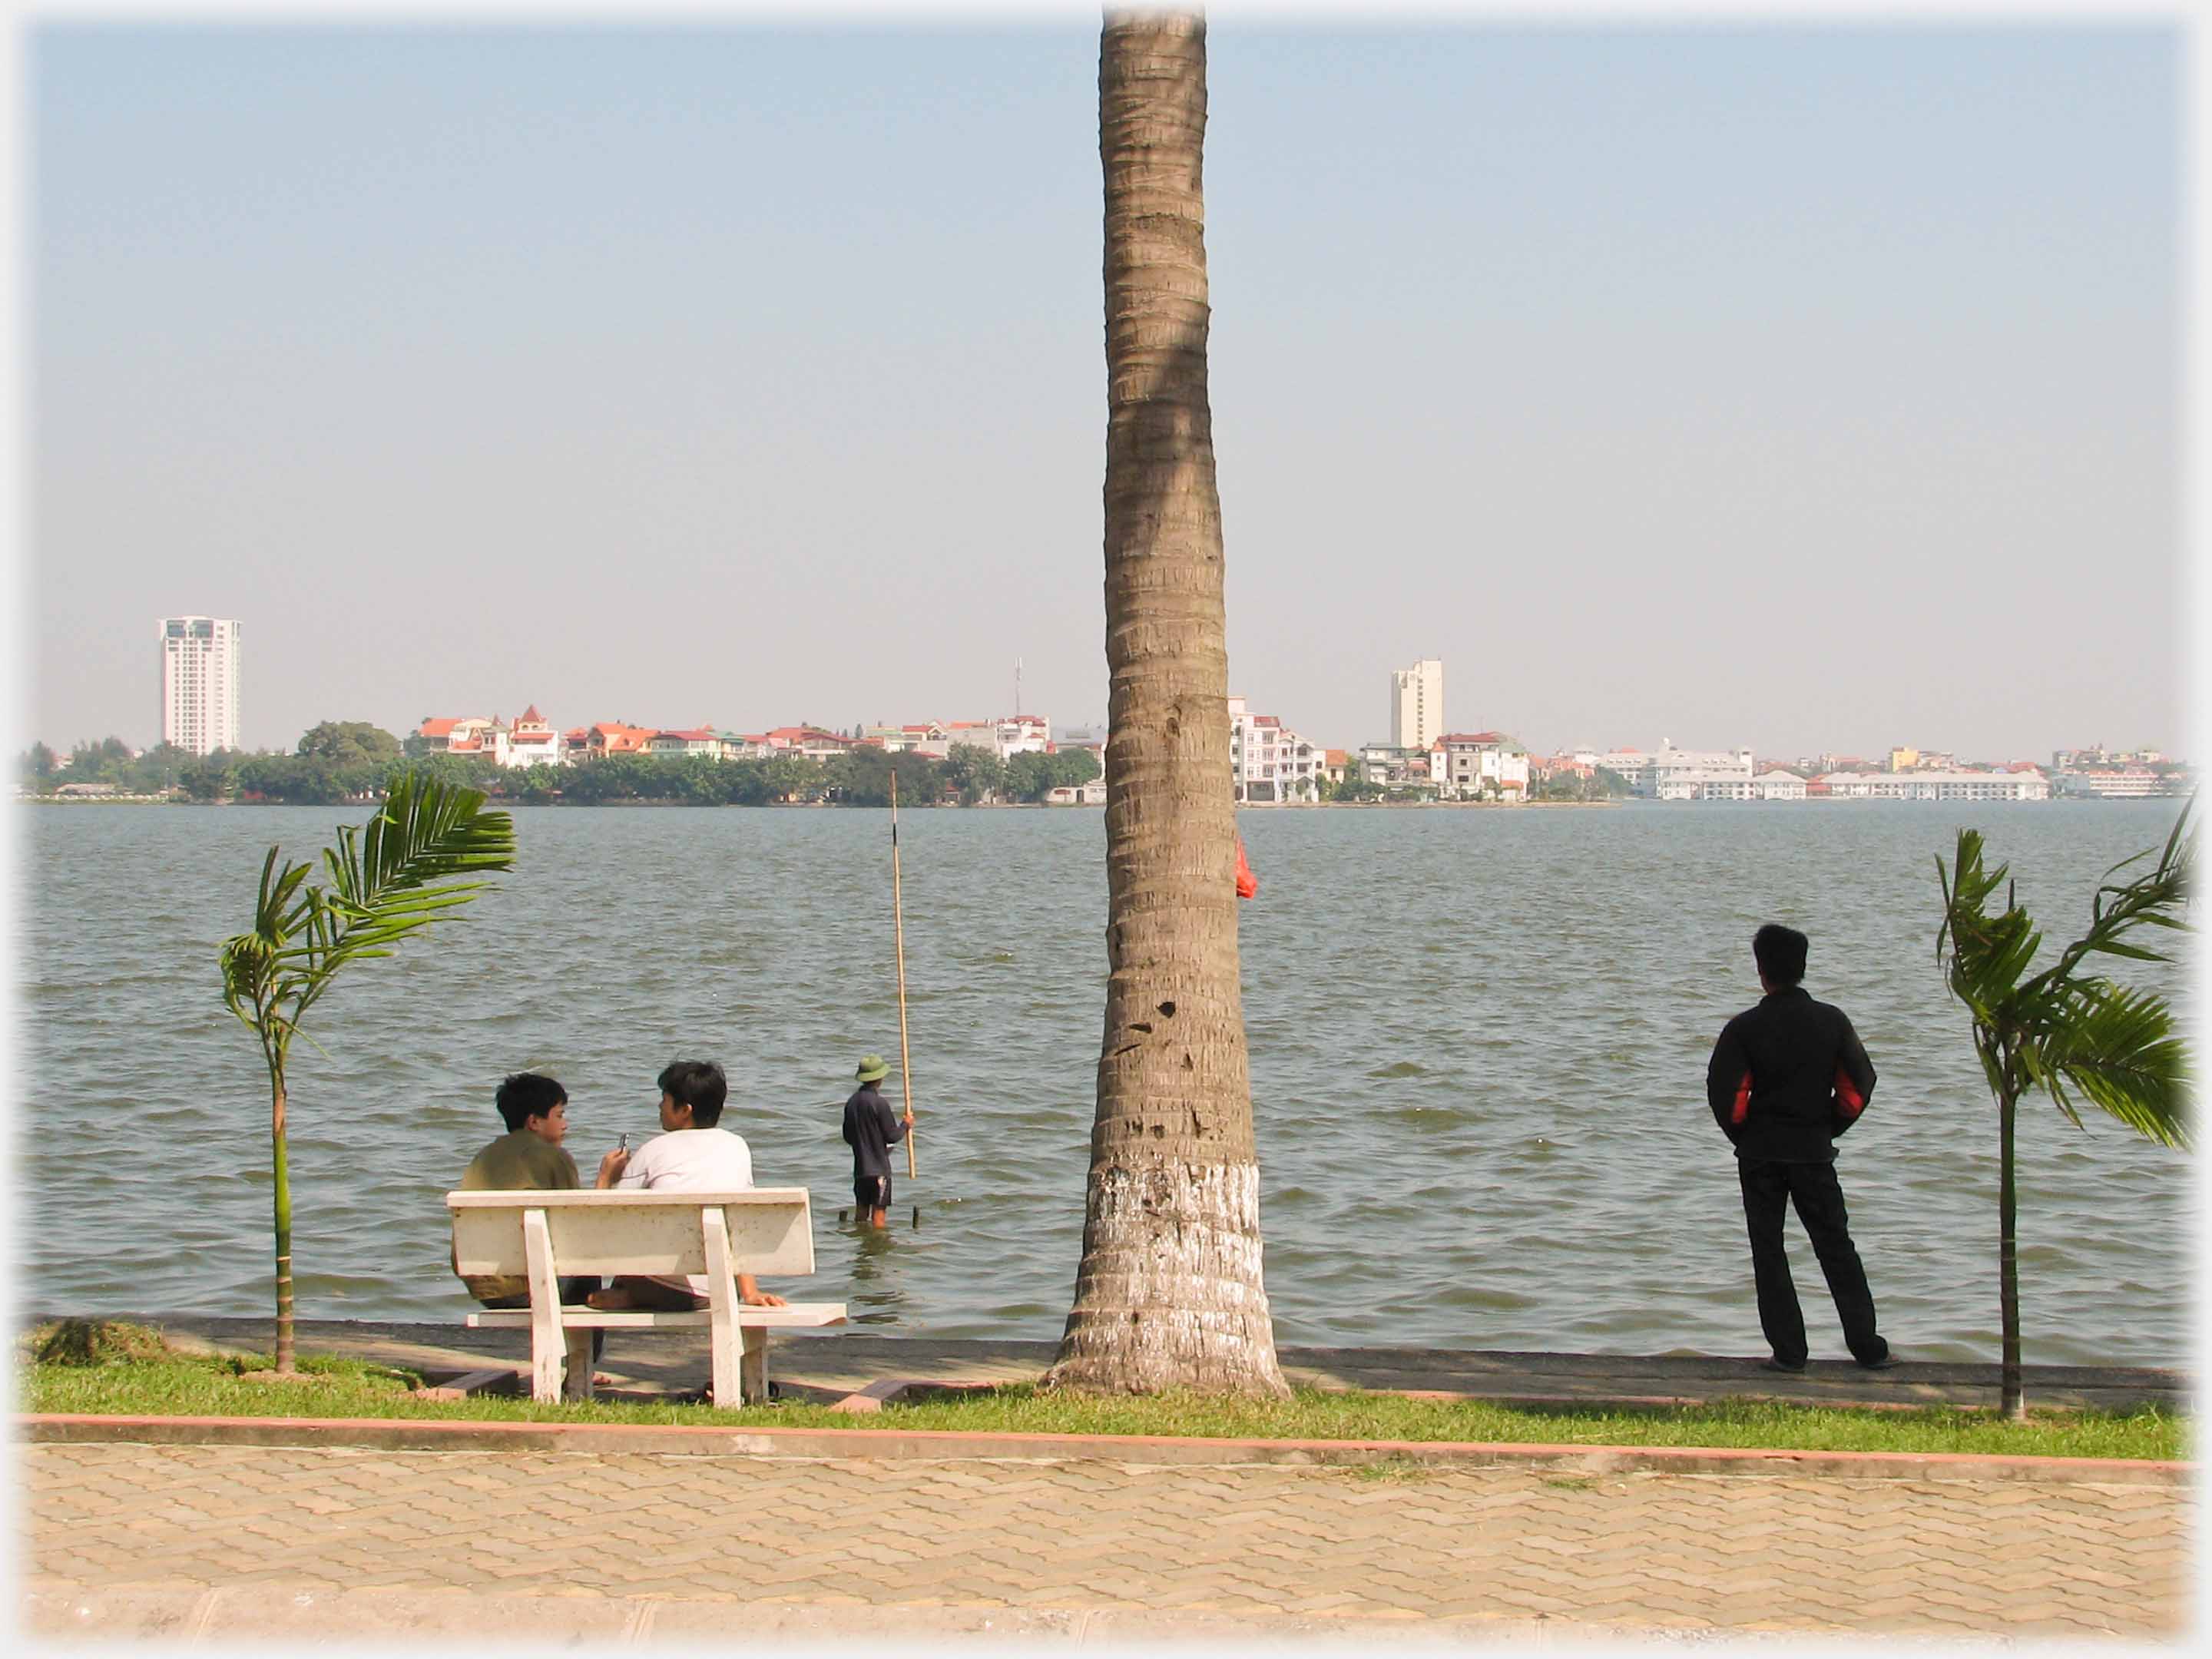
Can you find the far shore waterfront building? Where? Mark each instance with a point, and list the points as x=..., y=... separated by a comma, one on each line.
x=1395, y=766
x=1774, y=784
x=1022, y=734
x=1457, y=766
x=701, y=740
x=1016, y=734
x=199, y=683
x=2121, y=782
x=2101, y=758
x=534, y=741
x=1469, y=765
x=928, y=738
x=1269, y=763
x=1936, y=786
x=598, y=741
x=1417, y=705
x=1581, y=763
x=472, y=735
x=1646, y=774
x=808, y=742
x=531, y=740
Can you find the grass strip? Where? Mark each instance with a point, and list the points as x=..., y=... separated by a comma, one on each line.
x=181, y=1385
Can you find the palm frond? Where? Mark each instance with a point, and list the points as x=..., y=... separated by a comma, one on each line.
x=278, y=906
x=1987, y=954
x=2119, y=1049
x=246, y=964
x=2180, y=851
x=253, y=963
x=397, y=874
x=421, y=855
x=426, y=832
x=2154, y=899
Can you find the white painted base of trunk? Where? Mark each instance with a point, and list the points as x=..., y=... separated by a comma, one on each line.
x=1169, y=1295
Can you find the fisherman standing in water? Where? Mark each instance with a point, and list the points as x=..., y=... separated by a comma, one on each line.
x=871, y=1130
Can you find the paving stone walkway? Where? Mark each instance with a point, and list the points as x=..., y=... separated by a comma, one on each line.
x=210, y=1544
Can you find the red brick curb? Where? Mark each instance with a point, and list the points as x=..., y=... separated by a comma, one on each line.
x=442, y=1434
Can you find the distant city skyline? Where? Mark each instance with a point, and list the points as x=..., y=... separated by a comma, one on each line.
x=1806, y=388
x=1406, y=686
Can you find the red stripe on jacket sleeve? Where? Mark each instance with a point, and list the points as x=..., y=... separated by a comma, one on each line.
x=1850, y=1102
x=1742, y=1106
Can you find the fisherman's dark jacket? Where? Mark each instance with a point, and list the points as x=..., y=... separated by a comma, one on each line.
x=1787, y=1076
x=871, y=1130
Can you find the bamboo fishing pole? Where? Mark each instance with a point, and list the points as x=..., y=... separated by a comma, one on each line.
x=898, y=938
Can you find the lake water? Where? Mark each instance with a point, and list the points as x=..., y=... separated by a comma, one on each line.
x=1478, y=1047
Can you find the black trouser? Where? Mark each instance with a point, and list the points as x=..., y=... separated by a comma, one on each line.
x=573, y=1290
x=1768, y=1188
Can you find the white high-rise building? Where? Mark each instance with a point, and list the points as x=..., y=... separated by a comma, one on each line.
x=1417, y=705
x=199, y=684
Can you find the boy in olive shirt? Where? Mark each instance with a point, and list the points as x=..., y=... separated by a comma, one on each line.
x=528, y=1158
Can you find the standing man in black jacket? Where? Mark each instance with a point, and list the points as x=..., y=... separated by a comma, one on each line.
x=1788, y=1077
x=871, y=1130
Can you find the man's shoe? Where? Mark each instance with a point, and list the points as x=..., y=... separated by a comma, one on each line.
x=1887, y=1361
x=1784, y=1367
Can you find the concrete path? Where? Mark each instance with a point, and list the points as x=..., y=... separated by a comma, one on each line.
x=211, y=1545
x=841, y=1362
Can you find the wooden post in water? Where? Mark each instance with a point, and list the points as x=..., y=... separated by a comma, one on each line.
x=898, y=945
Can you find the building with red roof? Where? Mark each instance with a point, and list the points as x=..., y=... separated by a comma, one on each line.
x=605, y=738
x=1466, y=765
x=695, y=740
x=1269, y=763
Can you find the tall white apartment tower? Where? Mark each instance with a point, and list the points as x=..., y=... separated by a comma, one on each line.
x=199, y=683
x=1417, y=705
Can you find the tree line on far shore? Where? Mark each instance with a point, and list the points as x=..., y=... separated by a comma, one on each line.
x=351, y=760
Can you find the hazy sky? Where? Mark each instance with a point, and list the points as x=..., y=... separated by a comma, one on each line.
x=1812, y=388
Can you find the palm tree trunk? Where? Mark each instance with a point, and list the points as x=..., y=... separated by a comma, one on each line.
x=2012, y=1401
x=1169, y=1294
x=281, y=1186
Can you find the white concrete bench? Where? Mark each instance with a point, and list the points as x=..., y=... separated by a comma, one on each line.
x=549, y=1236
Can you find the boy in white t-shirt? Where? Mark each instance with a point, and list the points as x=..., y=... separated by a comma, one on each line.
x=693, y=1155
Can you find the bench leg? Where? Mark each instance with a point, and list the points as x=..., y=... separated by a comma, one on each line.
x=545, y=1351
x=577, y=1384
x=723, y=1337
x=753, y=1365
x=545, y=1344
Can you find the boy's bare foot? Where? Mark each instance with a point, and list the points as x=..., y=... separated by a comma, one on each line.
x=601, y=1380
x=608, y=1301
